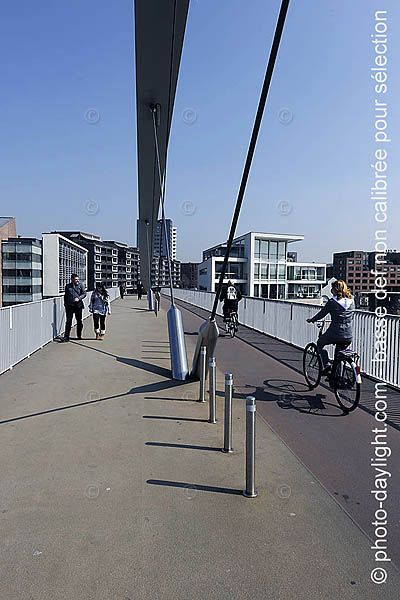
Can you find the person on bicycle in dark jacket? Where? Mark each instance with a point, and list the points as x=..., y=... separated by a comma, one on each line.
x=230, y=296
x=340, y=332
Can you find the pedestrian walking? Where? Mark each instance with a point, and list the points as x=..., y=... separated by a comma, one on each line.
x=99, y=306
x=73, y=302
x=157, y=299
x=122, y=290
x=139, y=290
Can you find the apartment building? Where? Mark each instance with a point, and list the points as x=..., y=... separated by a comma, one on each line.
x=189, y=275
x=261, y=266
x=7, y=230
x=110, y=262
x=61, y=258
x=21, y=260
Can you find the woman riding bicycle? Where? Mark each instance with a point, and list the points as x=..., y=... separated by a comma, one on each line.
x=340, y=332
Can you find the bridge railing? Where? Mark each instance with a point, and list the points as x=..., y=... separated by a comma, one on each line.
x=25, y=328
x=286, y=321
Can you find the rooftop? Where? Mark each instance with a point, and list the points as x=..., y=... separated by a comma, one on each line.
x=5, y=220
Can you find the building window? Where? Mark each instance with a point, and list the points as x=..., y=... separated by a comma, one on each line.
x=281, y=272
x=264, y=271
x=256, y=290
x=273, y=250
x=273, y=271
x=256, y=270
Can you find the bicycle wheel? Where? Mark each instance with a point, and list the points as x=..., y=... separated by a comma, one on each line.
x=344, y=383
x=232, y=329
x=312, y=365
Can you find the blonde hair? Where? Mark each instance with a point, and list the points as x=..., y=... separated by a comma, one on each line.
x=342, y=291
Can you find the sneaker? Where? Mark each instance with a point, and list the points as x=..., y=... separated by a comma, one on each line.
x=64, y=339
x=97, y=335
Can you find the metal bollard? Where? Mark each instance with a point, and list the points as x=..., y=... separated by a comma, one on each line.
x=250, y=491
x=228, y=413
x=203, y=355
x=212, y=389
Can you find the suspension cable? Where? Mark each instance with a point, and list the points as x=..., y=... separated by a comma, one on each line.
x=256, y=128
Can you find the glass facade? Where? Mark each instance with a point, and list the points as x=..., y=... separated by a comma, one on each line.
x=270, y=265
x=71, y=260
x=22, y=271
x=305, y=272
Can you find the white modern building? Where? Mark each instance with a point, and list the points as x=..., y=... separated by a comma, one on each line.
x=61, y=258
x=261, y=266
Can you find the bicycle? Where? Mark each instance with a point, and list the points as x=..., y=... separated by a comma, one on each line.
x=344, y=377
x=231, y=323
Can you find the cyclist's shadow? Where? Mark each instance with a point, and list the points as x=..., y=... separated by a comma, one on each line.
x=292, y=396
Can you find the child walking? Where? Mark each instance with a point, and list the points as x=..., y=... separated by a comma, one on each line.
x=100, y=306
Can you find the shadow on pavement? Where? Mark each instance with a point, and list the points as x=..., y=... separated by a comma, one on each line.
x=175, y=418
x=193, y=487
x=188, y=446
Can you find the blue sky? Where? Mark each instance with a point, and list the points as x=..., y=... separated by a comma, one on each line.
x=61, y=59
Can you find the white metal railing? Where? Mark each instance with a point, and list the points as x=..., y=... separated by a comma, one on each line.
x=286, y=321
x=25, y=328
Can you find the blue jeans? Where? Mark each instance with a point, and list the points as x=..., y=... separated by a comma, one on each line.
x=325, y=340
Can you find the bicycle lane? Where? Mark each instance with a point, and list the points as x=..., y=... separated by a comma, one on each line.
x=336, y=448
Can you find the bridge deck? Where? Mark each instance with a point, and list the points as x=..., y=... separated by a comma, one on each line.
x=113, y=486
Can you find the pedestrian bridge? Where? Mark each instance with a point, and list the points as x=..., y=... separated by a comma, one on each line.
x=114, y=484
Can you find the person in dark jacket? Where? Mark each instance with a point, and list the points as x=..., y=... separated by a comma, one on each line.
x=122, y=290
x=340, y=332
x=230, y=296
x=139, y=290
x=73, y=301
x=99, y=306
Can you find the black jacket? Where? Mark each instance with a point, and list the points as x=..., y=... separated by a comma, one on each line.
x=224, y=294
x=72, y=292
